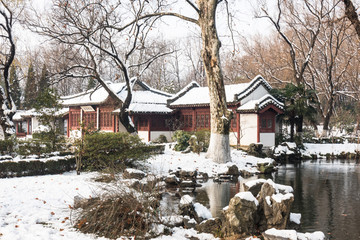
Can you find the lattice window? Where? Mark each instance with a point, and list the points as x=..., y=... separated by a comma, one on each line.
x=105, y=120
x=75, y=119
x=89, y=119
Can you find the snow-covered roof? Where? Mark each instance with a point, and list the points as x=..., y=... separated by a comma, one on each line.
x=93, y=96
x=258, y=104
x=200, y=95
x=144, y=99
x=252, y=85
x=21, y=114
x=192, y=94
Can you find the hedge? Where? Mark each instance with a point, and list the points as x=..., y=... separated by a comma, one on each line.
x=33, y=168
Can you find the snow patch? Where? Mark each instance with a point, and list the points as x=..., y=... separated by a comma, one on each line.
x=248, y=196
x=295, y=218
x=202, y=211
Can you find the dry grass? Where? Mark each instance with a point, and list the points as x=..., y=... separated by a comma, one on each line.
x=116, y=215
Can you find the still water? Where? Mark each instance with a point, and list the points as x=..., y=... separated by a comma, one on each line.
x=327, y=194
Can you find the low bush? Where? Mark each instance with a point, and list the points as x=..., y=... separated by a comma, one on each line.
x=33, y=168
x=182, y=139
x=203, y=137
x=113, y=151
x=40, y=145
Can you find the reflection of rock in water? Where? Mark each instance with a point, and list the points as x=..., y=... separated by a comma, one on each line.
x=219, y=197
x=201, y=196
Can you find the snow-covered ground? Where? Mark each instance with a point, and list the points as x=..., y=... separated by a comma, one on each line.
x=328, y=148
x=172, y=160
x=39, y=207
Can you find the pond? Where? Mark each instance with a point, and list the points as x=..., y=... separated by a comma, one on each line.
x=327, y=194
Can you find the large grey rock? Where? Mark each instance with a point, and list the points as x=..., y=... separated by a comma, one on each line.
x=274, y=207
x=240, y=216
x=254, y=186
x=212, y=226
x=172, y=180
x=233, y=170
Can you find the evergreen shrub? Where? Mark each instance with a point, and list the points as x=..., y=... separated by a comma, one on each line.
x=33, y=168
x=113, y=151
x=7, y=146
x=182, y=139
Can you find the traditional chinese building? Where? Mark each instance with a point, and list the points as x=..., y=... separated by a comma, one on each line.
x=156, y=113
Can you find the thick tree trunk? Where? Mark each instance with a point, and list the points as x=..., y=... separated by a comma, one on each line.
x=350, y=13
x=219, y=148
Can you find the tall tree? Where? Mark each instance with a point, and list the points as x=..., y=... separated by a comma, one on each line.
x=30, y=88
x=15, y=86
x=7, y=55
x=102, y=29
x=352, y=15
x=44, y=81
x=106, y=34
x=299, y=25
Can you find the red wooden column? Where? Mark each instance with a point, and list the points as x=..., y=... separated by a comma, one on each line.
x=193, y=119
x=149, y=129
x=238, y=127
x=258, y=127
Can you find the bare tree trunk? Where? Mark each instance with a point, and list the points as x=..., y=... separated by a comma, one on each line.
x=350, y=13
x=8, y=57
x=219, y=148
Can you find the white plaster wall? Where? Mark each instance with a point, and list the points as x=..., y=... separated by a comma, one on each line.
x=267, y=139
x=121, y=127
x=258, y=93
x=143, y=135
x=155, y=135
x=248, y=128
x=34, y=123
x=233, y=138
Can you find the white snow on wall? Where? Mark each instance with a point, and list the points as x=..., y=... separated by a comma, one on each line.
x=248, y=129
x=267, y=139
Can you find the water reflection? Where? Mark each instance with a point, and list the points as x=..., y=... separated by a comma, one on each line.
x=326, y=194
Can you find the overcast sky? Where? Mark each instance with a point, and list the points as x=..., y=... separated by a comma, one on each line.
x=171, y=28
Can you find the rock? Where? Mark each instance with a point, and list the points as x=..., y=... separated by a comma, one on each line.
x=204, y=176
x=189, y=222
x=246, y=174
x=133, y=173
x=233, y=170
x=186, y=208
x=172, y=180
x=255, y=149
x=254, y=186
x=187, y=174
x=187, y=150
x=212, y=226
x=189, y=184
x=265, y=167
x=240, y=216
x=274, y=209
